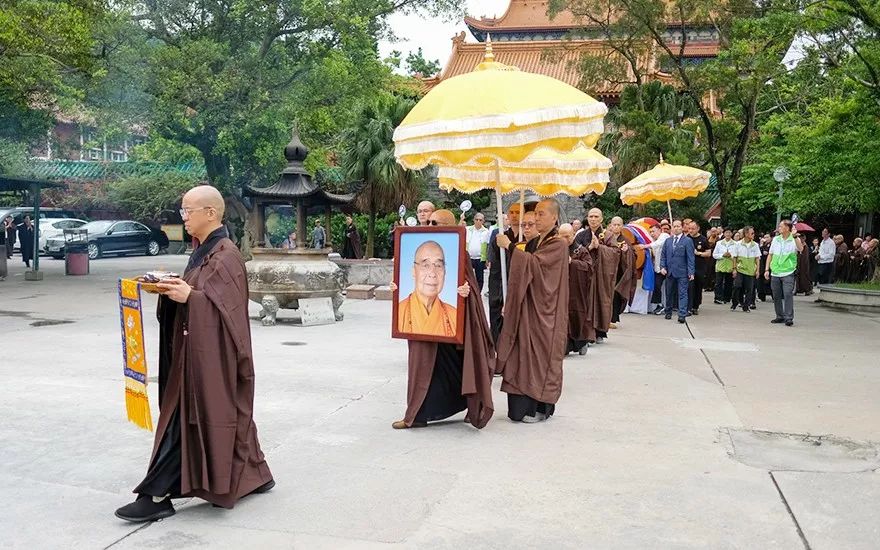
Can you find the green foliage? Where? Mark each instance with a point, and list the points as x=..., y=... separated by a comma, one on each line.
x=831, y=154
x=150, y=198
x=651, y=120
x=81, y=197
x=754, y=39
x=383, y=247
x=846, y=34
x=43, y=45
x=13, y=157
x=230, y=79
x=280, y=224
x=368, y=156
x=419, y=66
x=166, y=151
x=481, y=200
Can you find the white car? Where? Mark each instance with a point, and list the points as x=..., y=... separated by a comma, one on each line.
x=54, y=228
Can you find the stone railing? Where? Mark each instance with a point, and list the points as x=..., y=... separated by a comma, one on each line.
x=366, y=272
x=849, y=298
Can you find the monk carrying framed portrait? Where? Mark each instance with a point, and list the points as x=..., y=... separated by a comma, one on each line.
x=428, y=269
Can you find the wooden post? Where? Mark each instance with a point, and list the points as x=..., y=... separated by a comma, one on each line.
x=328, y=215
x=300, y=224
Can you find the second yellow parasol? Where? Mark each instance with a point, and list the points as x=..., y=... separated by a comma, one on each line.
x=665, y=182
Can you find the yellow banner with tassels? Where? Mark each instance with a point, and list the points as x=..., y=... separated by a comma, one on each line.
x=137, y=404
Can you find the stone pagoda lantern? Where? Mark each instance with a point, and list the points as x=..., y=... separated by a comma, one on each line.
x=295, y=278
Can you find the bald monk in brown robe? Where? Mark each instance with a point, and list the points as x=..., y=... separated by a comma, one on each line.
x=206, y=443
x=625, y=284
x=605, y=260
x=445, y=379
x=580, y=283
x=535, y=332
x=423, y=312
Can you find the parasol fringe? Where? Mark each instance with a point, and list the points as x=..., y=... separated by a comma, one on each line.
x=518, y=180
x=585, y=133
x=422, y=130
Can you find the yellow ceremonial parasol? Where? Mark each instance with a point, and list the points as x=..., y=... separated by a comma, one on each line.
x=496, y=114
x=665, y=182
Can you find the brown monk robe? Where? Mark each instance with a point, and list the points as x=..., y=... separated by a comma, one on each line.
x=841, y=260
x=580, y=281
x=605, y=260
x=804, y=281
x=445, y=379
x=206, y=443
x=625, y=279
x=535, y=332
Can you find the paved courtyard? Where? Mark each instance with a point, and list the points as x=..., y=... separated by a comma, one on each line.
x=727, y=432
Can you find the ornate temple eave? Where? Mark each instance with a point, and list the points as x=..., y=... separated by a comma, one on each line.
x=298, y=189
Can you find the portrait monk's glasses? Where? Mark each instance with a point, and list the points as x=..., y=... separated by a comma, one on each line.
x=425, y=265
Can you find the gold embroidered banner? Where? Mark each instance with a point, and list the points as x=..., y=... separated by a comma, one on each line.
x=137, y=404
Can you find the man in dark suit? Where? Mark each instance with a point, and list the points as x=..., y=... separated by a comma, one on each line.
x=677, y=265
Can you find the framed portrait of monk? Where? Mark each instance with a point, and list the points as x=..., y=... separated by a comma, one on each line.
x=429, y=266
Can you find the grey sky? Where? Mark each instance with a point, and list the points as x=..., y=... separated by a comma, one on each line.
x=434, y=36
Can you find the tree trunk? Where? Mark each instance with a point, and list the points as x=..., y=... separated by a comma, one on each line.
x=725, y=194
x=219, y=174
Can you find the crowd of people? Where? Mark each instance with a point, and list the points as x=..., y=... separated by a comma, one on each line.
x=569, y=283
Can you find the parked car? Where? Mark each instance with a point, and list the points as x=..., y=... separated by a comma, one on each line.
x=19, y=212
x=51, y=228
x=115, y=237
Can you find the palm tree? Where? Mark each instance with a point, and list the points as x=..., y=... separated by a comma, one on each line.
x=647, y=123
x=368, y=155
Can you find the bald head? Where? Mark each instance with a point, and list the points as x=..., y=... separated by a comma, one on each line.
x=207, y=196
x=547, y=215
x=429, y=272
x=203, y=209
x=566, y=231
x=443, y=217
x=615, y=225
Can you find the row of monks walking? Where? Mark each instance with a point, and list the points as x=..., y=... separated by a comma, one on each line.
x=566, y=288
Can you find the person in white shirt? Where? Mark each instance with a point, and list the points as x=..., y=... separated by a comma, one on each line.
x=477, y=246
x=825, y=257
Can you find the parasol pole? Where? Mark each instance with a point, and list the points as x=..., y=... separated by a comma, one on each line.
x=522, y=211
x=503, y=252
x=669, y=207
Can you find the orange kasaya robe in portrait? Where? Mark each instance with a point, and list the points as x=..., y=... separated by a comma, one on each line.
x=414, y=318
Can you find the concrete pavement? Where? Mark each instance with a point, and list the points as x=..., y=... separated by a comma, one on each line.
x=666, y=436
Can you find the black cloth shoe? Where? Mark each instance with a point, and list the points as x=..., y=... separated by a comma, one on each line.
x=733, y=307
x=777, y=321
x=668, y=316
x=658, y=310
x=144, y=509
x=719, y=302
x=789, y=323
x=681, y=319
x=747, y=310
x=753, y=306
x=264, y=488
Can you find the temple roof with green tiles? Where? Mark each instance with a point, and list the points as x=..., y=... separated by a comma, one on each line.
x=97, y=170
